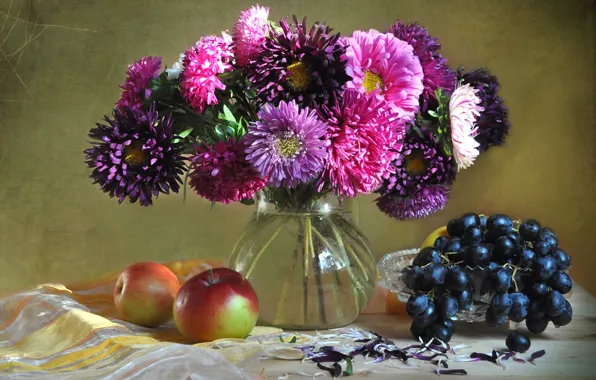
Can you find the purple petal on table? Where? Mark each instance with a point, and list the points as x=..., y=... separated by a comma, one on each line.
x=328, y=355
x=450, y=371
x=438, y=348
x=442, y=363
x=426, y=358
x=536, y=355
x=518, y=360
x=401, y=355
x=335, y=371
x=484, y=357
x=411, y=346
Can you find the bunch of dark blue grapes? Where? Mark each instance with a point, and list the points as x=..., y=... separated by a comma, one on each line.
x=522, y=267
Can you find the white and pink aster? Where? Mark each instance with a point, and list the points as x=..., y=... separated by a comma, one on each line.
x=382, y=65
x=464, y=108
x=249, y=33
x=203, y=63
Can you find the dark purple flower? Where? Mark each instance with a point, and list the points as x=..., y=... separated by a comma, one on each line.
x=417, y=205
x=299, y=64
x=437, y=73
x=420, y=164
x=493, y=122
x=133, y=156
x=287, y=144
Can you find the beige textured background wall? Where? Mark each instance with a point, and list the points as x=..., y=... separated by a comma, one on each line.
x=62, y=60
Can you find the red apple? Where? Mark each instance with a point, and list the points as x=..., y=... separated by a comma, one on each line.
x=214, y=304
x=145, y=292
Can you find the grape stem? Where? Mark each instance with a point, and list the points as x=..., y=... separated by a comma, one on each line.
x=515, y=267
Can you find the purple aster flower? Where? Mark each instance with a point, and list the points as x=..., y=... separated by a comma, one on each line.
x=138, y=78
x=420, y=164
x=299, y=64
x=417, y=205
x=437, y=73
x=287, y=144
x=493, y=122
x=133, y=156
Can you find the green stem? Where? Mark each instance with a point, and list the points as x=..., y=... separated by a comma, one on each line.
x=353, y=254
x=305, y=277
x=353, y=280
x=284, y=292
x=317, y=257
x=265, y=246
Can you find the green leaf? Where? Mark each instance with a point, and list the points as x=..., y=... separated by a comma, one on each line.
x=293, y=340
x=281, y=339
x=219, y=132
x=433, y=113
x=349, y=368
x=248, y=201
x=212, y=205
x=227, y=115
x=185, y=133
x=185, y=183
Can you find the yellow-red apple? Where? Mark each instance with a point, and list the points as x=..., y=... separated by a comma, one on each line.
x=215, y=304
x=145, y=292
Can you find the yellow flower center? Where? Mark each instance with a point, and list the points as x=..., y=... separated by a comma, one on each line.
x=288, y=146
x=299, y=76
x=416, y=164
x=372, y=81
x=134, y=154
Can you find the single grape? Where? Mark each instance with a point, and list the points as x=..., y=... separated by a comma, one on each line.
x=527, y=257
x=545, y=267
x=519, y=307
x=435, y=274
x=554, y=303
x=447, y=306
x=416, y=304
x=465, y=300
x=453, y=228
x=561, y=282
x=517, y=342
x=420, y=283
x=447, y=323
x=467, y=220
x=500, y=280
x=494, y=320
x=492, y=266
x=536, y=309
x=499, y=223
x=477, y=255
x=417, y=331
x=504, y=249
x=457, y=279
x=529, y=230
x=542, y=247
x=411, y=273
x=427, y=317
x=453, y=245
x=536, y=324
x=538, y=290
x=565, y=317
x=562, y=258
x=427, y=255
x=440, y=242
x=501, y=304
x=441, y=332
x=545, y=231
x=491, y=237
x=472, y=235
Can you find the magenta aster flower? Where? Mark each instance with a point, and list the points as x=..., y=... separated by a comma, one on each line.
x=365, y=138
x=419, y=205
x=222, y=174
x=138, y=77
x=386, y=66
x=249, y=34
x=420, y=164
x=299, y=64
x=202, y=63
x=437, y=73
x=464, y=108
x=134, y=156
x=493, y=122
x=287, y=144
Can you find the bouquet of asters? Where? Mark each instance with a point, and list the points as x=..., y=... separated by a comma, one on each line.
x=297, y=111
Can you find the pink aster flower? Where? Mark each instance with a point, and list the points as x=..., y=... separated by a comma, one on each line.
x=365, y=136
x=222, y=174
x=464, y=108
x=210, y=56
x=136, y=87
x=386, y=66
x=249, y=33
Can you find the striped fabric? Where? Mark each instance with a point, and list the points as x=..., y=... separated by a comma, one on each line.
x=56, y=331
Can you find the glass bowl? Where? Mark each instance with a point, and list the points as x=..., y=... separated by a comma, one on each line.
x=394, y=266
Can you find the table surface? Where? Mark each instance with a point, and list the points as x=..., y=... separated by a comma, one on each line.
x=570, y=350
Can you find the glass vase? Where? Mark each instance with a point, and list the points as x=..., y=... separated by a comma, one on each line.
x=309, y=264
